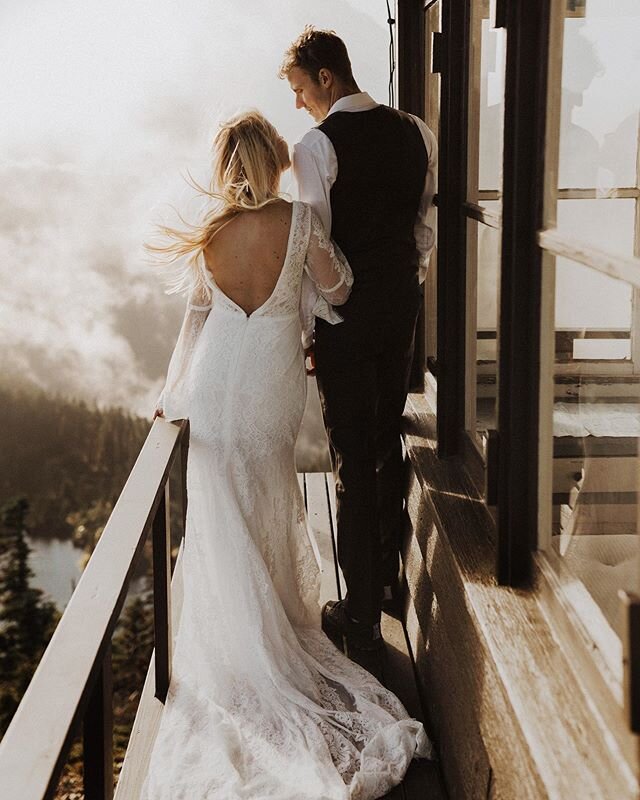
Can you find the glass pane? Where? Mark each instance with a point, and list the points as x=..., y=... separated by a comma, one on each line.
x=483, y=272
x=486, y=104
x=600, y=96
x=588, y=301
x=596, y=431
x=604, y=223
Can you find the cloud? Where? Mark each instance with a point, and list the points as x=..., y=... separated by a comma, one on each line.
x=108, y=104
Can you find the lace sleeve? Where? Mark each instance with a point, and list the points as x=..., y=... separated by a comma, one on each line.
x=173, y=398
x=326, y=265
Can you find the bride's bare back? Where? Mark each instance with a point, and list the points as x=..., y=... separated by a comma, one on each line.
x=246, y=256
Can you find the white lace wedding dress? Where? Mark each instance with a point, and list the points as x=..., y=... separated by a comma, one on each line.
x=261, y=704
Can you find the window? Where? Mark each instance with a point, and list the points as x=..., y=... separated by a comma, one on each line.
x=590, y=410
x=483, y=207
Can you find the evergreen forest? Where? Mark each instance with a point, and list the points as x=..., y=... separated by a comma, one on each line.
x=63, y=464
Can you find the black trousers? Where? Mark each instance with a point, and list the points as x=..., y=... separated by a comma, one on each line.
x=363, y=366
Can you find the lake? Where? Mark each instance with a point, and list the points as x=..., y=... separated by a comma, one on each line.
x=56, y=564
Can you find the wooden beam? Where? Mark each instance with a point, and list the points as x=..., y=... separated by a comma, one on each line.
x=411, y=52
x=98, y=735
x=520, y=288
x=184, y=458
x=623, y=268
x=319, y=516
x=481, y=214
x=162, y=595
x=452, y=227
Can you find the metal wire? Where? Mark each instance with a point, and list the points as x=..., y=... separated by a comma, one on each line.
x=392, y=57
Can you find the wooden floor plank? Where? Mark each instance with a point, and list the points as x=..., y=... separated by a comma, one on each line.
x=331, y=494
x=397, y=668
x=423, y=780
x=318, y=514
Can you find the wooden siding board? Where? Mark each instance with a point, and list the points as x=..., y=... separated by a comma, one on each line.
x=511, y=667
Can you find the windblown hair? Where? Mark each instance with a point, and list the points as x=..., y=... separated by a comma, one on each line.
x=247, y=164
x=316, y=49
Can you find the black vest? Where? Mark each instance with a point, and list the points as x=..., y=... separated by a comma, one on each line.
x=382, y=164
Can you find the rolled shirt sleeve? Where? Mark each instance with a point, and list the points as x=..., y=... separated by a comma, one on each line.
x=315, y=168
x=426, y=220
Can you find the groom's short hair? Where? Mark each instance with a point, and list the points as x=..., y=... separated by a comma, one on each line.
x=316, y=49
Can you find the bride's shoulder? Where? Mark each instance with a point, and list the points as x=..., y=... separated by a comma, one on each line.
x=304, y=209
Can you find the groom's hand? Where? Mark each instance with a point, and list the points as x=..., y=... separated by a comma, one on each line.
x=309, y=354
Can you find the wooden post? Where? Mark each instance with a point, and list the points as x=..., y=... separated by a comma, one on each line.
x=631, y=657
x=411, y=52
x=452, y=227
x=162, y=595
x=520, y=288
x=184, y=455
x=98, y=735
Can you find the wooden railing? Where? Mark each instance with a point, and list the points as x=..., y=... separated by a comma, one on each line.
x=72, y=684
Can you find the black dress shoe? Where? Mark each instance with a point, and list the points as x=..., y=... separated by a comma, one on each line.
x=336, y=623
x=372, y=660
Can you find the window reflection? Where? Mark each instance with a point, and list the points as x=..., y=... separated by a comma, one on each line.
x=596, y=429
x=487, y=58
x=483, y=272
x=595, y=473
x=492, y=70
x=600, y=97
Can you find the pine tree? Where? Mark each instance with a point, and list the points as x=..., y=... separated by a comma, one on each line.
x=27, y=621
x=132, y=646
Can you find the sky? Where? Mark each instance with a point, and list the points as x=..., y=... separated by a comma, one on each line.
x=106, y=105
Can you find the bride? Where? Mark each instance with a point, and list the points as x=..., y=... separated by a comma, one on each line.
x=261, y=704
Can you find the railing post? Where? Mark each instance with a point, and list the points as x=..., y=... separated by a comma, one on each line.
x=97, y=735
x=162, y=595
x=184, y=454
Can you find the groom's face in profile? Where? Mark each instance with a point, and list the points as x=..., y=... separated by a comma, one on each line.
x=314, y=97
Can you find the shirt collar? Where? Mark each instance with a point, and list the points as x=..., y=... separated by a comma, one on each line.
x=360, y=101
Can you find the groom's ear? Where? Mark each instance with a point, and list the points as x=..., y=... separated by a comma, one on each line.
x=325, y=78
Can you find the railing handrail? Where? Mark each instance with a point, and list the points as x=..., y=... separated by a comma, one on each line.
x=71, y=673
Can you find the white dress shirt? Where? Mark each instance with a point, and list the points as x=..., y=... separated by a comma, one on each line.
x=315, y=169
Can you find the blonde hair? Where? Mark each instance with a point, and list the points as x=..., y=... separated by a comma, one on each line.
x=248, y=159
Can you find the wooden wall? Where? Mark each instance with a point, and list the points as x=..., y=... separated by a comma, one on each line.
x=508, y=711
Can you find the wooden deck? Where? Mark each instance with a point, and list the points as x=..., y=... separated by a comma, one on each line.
x=423, y=781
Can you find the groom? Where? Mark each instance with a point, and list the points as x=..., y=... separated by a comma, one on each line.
x=369, y=172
